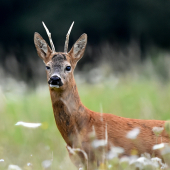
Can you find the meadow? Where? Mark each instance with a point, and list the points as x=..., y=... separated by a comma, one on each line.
x=141, y=94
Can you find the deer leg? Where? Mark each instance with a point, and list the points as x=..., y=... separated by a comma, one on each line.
x=78, y=157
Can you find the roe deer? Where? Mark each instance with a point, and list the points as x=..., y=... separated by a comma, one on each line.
x=75, y=122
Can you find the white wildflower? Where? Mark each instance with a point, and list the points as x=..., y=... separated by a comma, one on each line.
x=124, y=159
x=158, y=146
x=143, y=162
x=80, y=167
x=114, y=152
x=159, y=161
x=14, y=167
x=97, y=143
x=133, y=158
x=46, y=164
x=156, y=159
x=29, y=164
x=109, y=166
x=157, y=130
x=164, y=166
x=133, y=133
x=29, y=125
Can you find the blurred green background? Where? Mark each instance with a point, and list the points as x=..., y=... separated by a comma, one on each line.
x=133, y=26
x=125, y=69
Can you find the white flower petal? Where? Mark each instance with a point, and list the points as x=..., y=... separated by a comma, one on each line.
x=97, y=143
x=46, y=164
x=133, y=133
x=14, y=167
x=29, y=125
x=158, y=146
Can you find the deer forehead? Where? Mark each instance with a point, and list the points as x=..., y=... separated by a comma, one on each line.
x=59, y=59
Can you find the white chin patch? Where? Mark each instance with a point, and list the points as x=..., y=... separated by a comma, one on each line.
x=54, y=86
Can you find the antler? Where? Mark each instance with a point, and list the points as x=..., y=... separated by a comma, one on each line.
x=49, y=36
x=67, y=38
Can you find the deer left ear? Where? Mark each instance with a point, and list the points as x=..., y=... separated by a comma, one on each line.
x=78, y=48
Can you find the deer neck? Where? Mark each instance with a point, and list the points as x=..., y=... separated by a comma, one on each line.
x=68, y=112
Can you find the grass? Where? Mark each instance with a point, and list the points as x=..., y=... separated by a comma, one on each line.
x=133, y=98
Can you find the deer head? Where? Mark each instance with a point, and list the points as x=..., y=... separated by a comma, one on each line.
x=60, y=65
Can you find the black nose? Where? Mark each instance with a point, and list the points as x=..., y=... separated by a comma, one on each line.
x=55, y=80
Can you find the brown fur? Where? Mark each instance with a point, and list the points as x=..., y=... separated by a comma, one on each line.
x=75, y=122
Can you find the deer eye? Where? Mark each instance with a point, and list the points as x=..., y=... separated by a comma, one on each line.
x=47, y=67
x=68, y=68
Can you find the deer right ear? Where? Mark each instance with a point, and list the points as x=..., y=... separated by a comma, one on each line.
x=78, y=48
x=42, y=47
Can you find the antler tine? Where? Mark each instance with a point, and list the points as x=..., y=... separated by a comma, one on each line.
x=67, y=38
x=49, y=36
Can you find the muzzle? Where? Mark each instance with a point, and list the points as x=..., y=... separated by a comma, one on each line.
x=55, y=81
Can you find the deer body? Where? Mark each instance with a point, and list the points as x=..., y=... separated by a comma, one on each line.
x=75, y=125
x=76, y=122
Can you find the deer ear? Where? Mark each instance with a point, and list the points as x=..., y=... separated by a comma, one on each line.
x=78, y=48
x=42, y=47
